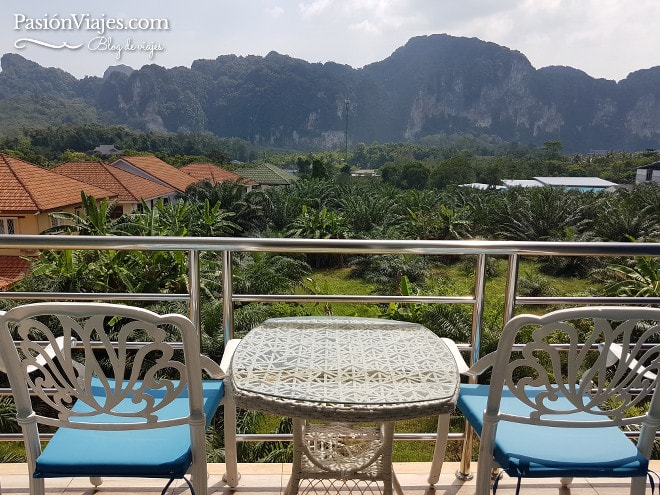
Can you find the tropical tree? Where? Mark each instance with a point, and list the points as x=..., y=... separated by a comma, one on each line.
x=65, y=271
x=414, y=175
x=95, y=219
x=627, y=215
x=456, y=170
x=371, y=210
x=641, y=279
x=439, y=223
x=210, y=221
x=268, y=273
x=251, y=209
x=319, y=224
x=386, y=270
x=539, y=214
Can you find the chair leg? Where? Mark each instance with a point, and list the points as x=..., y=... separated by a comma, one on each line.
x=486, y=462
x=199, y=469
x=296, y=466
x=638, y=485
x=566, y=481
x=231, y=475
x=483, y=478
x=440, y=449
x=395, y=484
x=37, y=486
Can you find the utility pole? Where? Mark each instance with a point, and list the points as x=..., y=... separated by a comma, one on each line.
x=347, y=102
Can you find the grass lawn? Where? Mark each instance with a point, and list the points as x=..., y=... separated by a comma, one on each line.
x=339, y=281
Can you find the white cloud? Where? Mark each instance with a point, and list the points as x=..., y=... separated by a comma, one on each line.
x=365, y=26
x=275, y=11
x=314, y=8
x=605, y=38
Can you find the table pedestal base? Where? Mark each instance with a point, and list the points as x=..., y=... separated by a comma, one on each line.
x=342, y=452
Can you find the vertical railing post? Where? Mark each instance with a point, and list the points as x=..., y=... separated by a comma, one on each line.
x=511, y=285
x=194, y=290
x=227, y=297
x=464, y=472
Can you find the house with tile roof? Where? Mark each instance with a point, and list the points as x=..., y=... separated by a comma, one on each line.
x=267, y=175
x=130, y=189
x=215, y=174
x=156, y=170
x=28, y=194
x=12, y=269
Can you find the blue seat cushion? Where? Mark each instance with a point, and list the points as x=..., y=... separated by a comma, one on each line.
x=548, y=451
x=149, y=453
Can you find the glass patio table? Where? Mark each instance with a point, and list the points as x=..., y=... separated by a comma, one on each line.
x=345, y=381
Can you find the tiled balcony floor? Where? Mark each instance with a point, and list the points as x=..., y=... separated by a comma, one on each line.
x=271, y=479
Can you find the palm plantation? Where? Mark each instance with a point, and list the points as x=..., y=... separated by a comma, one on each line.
x=337, y=208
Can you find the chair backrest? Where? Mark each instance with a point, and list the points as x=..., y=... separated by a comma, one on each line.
x=607, y=367
x=107, y=366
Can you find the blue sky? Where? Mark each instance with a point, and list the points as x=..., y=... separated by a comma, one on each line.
x=605, y=38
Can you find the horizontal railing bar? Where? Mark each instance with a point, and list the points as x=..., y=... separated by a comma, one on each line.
x=352, y=298
x=587, y=300
x=345, y=246
x=288, y=437
x=18, y=437
x=477, y=248
x=94, y=296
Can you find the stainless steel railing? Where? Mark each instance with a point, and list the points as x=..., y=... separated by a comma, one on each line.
x=479, y=249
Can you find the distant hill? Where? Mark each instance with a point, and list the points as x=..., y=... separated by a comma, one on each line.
x=433, y=85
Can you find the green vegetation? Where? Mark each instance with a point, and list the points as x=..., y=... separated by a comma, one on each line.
x=415, y=198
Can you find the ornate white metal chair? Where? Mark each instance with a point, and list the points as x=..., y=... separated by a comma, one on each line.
x=552, y=413
x=124, y=400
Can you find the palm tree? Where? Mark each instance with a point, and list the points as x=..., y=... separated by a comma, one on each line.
x=319, y=224
x=439, y=223
x=627, y=215
x=369, y=209
x=540, y=213
x=251, y=209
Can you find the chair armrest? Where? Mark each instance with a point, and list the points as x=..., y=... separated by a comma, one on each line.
x=477, y=368
x=219, y=371
x=482, y=364
x=615, y=353
x=225, y=362
x=50, y=351
x=456, y=354
x=212, y=368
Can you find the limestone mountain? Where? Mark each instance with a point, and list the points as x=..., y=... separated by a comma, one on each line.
x=437, y=84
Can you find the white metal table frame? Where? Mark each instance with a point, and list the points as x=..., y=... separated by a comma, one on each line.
x=330, y=373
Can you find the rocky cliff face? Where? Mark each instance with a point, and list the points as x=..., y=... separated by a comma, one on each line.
x=434, y=84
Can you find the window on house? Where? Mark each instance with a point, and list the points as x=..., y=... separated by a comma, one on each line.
x=7, y=226
x=649, y=174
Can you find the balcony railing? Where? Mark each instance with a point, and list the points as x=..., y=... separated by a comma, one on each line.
x=227, y=247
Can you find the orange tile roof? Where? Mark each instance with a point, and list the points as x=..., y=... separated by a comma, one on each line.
x=128, y=187
x=215, y=174
x=29, y=188
x=160, y=170
x=12, y=269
